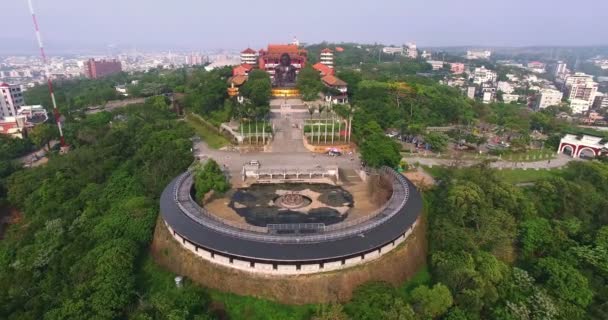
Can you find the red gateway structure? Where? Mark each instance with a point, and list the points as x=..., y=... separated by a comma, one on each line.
x=94, y=69
x=582, y=146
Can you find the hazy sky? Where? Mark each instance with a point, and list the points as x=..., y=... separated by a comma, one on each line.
x=234, y=24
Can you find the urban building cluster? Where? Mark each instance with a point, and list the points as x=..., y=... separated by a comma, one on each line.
x=538, y=84
x=409, y=50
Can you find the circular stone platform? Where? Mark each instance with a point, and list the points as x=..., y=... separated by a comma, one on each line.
x=292, y=200
x=285, y=203
x=291, y=248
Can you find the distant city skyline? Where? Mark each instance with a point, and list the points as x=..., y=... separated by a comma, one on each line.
x=82, y=26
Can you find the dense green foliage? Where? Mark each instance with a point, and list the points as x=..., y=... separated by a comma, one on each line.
x=377, y=149
x=501, y=252
x=496, y=251
x=535, y=253
x=206, y=92
x=209, y=177
x=309, y=83
x=257, y=91
x=43, y=134
x=10, y=149
x=72, y=95
x=87, y=221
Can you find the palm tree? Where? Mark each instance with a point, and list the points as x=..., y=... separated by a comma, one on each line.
x=311, y=111
x=321, y=108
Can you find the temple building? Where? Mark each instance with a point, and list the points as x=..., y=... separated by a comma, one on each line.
x=249, y=56
x=327, y=57
x=234, y=83
x=323, y=69
x=242, y=70
x=283, y=62
x=339, y=87
x=270, y=58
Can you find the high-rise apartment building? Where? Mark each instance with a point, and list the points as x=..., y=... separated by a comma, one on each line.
x=94, y=69
x=549, y=97
x=12, y=99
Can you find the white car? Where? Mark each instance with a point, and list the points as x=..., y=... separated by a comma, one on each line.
x=254, y=163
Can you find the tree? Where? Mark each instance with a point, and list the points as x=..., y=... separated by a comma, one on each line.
x=370, y=300
x=379, y=150
x=432, y=302
x=399, y=311
x=257, y=88
x=43, y=134
x=564, y=281
x=209, y=177
x=309, y=83
x=159, y=102
x=437, y=141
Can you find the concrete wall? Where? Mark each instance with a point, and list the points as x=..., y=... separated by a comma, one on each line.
x=287, y=269
x=343, y=147
x=312, y=285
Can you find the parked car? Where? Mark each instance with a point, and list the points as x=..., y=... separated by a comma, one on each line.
x=254, y=163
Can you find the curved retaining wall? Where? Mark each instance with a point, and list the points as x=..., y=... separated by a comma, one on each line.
x=251, y=250
x=280, y=268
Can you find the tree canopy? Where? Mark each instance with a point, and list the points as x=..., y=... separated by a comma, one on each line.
x=309, y=83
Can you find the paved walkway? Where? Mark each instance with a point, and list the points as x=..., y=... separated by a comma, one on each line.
x=304, y=159
x=560, y=161
x=38, y=157
x=287, y=137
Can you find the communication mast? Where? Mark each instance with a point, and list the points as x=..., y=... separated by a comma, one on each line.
x=47, y=75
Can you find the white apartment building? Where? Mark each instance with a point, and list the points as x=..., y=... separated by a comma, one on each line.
x=560, y=68
x=393, y=50
x=471, y=92
x=483, y=75
x=549, y=97
x=478, y=54
x=411, y=50
x=505, y=87
x=488, y=97
x=508, y=98
x=578, y=78
x=12, y=98
x=437, y=65
x=600, y=101
x=579, y=106
x=583, y=91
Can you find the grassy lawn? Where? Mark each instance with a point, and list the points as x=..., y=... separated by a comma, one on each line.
x=206, y=132
x=528, y=156
x=522, y=176
x=513, y=176
x=531, y=155
x=242, y=307
x=154, y=280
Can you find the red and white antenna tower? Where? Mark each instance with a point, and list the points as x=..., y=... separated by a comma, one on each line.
x=47, y=75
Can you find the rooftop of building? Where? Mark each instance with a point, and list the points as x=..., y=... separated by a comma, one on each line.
x=323, y=69
x=283, y=48
x=245, y=66
x=248, y=50
x=333, y=81
x=238, y=80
